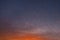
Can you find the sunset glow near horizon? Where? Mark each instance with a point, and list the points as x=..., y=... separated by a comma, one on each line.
x=29, y=20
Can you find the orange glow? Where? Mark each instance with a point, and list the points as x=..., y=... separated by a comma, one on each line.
x=19, y=37
x=24, y=37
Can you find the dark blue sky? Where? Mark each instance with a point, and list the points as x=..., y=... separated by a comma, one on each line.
x=44, y=8
x=39, y=13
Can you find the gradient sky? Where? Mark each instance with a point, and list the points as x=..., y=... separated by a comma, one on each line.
x=27, y=19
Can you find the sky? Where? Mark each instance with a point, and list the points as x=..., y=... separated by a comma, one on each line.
x=30, y=19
